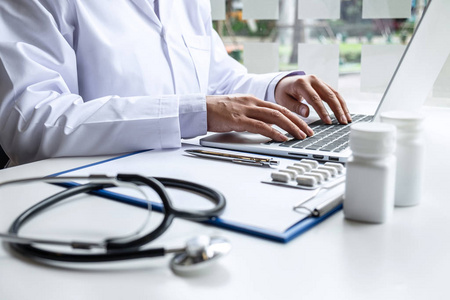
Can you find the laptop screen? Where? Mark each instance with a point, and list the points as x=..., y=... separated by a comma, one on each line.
x=422, y=61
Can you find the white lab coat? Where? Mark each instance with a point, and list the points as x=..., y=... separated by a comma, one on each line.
x=95, y=77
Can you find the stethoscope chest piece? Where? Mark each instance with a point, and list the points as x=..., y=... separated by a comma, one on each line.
x=200, y=252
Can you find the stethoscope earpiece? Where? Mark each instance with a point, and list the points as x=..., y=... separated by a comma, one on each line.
x=200, y=252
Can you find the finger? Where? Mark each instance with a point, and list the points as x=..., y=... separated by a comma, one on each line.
x=295, y=105
x=260, y=127
x=291, y=104
x=287, y=120
x=330, y=98
x=272, y=113
x=313, y=98
x=343, y=104
x=292, y=124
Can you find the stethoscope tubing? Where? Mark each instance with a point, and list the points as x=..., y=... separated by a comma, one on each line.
x=118, y=249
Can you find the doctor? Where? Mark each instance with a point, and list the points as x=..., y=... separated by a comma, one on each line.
x=85, y=77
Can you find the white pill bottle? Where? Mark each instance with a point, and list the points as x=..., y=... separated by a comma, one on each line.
x=410, y=155
x=370, y=179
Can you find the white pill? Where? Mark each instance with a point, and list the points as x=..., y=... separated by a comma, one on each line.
x=307, y=167
x=314, y=164
x=291, y=173
x=326, y=175
x=339, y=167
x=332, y=170
x=318, y=176
x=306, y=180
x=299, y=170
x=281, y=177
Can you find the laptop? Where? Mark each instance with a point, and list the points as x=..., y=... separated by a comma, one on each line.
x=408, y=89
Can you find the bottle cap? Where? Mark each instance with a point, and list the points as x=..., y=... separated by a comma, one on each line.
x=372, y=139
x=403, y=120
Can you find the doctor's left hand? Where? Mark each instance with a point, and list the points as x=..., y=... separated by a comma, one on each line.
x=247, y=113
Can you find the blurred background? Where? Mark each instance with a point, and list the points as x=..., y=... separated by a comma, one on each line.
x=354, y=45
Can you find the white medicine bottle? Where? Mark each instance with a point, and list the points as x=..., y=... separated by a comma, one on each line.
x=370, y=179
x=410, y=155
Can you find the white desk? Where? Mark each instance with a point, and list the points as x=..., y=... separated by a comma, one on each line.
x=407, y=258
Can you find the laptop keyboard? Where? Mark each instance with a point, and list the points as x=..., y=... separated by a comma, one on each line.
x=327, y=137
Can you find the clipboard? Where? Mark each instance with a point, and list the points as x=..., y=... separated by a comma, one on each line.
x=253, y=208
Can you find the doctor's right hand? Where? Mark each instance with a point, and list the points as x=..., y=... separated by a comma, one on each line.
x=247, y=113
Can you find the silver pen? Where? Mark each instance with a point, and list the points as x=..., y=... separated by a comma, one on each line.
x=241, y=159
x=327, y=206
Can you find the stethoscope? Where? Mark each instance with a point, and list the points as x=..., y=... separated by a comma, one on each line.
x=199, y=252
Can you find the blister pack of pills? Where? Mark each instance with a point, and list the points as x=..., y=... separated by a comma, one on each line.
x=308, y=174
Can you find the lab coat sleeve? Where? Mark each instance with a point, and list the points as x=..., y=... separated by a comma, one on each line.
x=227, y=76
x=41, y=113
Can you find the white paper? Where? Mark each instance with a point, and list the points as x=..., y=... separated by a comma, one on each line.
x=218, y=10
x=386, y=9
x=261, y=58
x=442, y=85
x=320, y=60
x=260, y=9
x=249, y=201
x=378, y=63
x=319, y=9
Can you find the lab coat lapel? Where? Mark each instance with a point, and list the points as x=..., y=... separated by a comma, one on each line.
x=172, y=15
x=172, y=30
x=166, y=11
x=146, y=9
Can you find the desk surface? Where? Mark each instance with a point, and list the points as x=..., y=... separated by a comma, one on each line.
x=406, y=258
